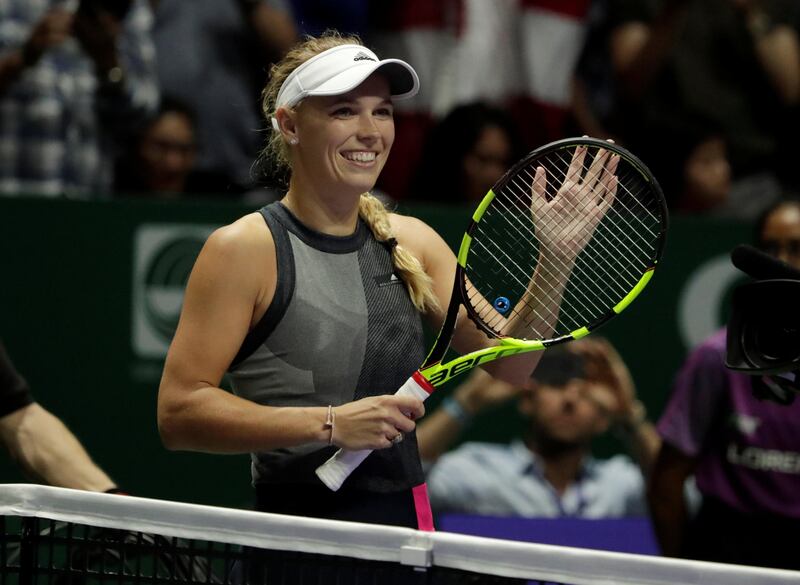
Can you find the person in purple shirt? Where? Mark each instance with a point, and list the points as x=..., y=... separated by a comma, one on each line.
x=744, y=452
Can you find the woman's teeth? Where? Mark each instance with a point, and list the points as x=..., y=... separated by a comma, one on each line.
x=360, y=156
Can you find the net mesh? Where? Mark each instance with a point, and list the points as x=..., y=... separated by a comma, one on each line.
x=570, y=201
x=59, y=537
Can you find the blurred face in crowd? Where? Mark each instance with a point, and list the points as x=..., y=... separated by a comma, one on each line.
x=486, y=162
x=565, y=416
x=707, y=174
x=167, y=152
x=781, y=234
x=344, y=141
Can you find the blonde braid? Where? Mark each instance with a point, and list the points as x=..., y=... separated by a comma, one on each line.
x=407, y=266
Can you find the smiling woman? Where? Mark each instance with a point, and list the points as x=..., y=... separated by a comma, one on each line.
x=314, y=305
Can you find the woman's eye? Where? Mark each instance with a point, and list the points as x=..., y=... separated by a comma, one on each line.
x=343, y=112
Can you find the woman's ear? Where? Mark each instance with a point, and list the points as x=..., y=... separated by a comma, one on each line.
x=286, y=125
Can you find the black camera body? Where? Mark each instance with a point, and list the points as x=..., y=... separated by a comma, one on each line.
x=764, y=327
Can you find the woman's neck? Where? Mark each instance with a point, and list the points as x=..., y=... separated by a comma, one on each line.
x=331, y=213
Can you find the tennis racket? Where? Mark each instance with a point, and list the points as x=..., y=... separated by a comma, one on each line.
x=562, y=243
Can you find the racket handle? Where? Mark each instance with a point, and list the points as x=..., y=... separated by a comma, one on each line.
x=339, y=467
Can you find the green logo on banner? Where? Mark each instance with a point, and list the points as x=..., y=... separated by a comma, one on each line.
x=163, y=258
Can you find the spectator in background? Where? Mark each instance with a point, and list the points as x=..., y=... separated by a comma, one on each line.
x=213, y=56
x=706, y=175
x=162, y=155
x=733, y=62
x=41, y=444
x=74, y=77
x=743, y=451
x=161, y=159
x=697, y=175
x=575, y=395
x=517, y=55
x=465, y=154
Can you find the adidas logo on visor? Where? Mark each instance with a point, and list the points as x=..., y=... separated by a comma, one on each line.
x=362, y=56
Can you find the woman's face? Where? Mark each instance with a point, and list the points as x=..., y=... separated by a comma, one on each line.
x=167, y=152
x=344, y=141
x=708, y=174
x=486, y=162
x=781, y=234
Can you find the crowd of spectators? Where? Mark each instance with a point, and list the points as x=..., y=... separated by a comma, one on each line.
x=161, y=98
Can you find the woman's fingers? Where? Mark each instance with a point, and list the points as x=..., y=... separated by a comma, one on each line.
x=595, y=172
x=608, y=181
x=375, y=422
x=576, y=165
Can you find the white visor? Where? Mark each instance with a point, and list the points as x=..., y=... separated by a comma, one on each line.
x=341, y=69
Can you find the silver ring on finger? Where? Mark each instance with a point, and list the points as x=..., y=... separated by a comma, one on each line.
x=398, y=439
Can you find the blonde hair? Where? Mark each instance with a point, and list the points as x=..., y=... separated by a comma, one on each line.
x=370, y=209
x=407, y=266
x=276, y=152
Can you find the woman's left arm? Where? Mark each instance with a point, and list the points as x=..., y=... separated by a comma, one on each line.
x=564, y=229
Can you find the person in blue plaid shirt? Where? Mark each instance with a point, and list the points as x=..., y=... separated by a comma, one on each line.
x=75, y=77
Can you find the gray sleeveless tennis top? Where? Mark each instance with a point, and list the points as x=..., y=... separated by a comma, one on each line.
x=341, y=327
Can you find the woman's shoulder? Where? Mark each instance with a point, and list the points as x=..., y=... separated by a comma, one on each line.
x=245, y=242
x=409, y=227
x=248, y=233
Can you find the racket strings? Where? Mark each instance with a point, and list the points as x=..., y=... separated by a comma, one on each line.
x=483, y=305
x=525, y=171
x=622, y=184
x=603, y=242
x=591, y=182
x=655, y=217
x=614, y=253
x=561, y=273
x=521, y=282
x=601, y=239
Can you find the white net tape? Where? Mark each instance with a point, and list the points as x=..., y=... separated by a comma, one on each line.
x=371, y=542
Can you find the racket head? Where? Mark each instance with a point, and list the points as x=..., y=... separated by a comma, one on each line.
x=503, y=244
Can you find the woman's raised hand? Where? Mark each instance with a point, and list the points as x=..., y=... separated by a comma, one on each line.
x=566, y=223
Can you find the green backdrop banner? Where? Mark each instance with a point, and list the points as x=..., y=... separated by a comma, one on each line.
x=91, y=292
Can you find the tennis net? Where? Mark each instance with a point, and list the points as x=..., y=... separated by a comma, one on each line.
x=67, y=537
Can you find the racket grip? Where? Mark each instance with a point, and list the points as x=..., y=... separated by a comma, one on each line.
x=339, y=467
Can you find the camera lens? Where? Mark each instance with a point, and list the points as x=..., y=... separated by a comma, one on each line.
x=770, y=343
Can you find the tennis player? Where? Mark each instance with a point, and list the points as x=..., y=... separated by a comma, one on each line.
x=314, y=305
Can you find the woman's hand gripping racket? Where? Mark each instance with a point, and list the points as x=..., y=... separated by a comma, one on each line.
x=562, y=243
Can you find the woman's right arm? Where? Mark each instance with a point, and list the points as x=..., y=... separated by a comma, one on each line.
x=221, y=298
x=234, y=275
